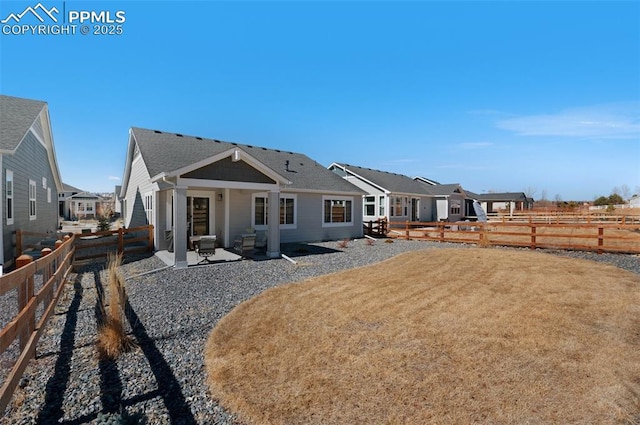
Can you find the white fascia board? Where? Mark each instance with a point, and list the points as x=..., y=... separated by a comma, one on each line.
x=127, y=165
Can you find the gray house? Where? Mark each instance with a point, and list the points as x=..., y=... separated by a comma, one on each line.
x=394, y=196
x=194, y=186
x=30, y=176
x=452, y=202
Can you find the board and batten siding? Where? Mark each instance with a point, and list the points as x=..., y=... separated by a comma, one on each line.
x=139, y=184
x=30, y=161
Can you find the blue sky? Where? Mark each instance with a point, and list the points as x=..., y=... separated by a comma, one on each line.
x=497, y=96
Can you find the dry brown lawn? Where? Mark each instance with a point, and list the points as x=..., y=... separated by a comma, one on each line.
x=437, y=336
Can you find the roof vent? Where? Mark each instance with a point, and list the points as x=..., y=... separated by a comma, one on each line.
x=249, y=146
x=277, y=150
x=158, y=132
x=286, y=165
x=179, y=135
x=217, y=141
x=234, y=144
x=199, y=138
x=264, y=149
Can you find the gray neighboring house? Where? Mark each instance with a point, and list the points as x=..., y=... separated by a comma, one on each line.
x=195, y=186
x=394, y=196
x=63, y=200
x=30, y=175
x=452, y=202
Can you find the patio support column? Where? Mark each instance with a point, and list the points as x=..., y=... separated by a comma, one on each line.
x=273, y=229
x=180, y=227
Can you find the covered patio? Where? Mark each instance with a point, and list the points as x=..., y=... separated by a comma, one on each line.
x=193, y=259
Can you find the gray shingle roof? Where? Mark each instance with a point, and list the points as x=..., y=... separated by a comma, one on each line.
x=68, y=188
x=442, y=189
x=504, y=196
x=16, y=117
x=166, y=152
x=394, y=183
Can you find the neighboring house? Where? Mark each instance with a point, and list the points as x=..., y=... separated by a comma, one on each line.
x=64, y=208
x=84, y=205
x=30, y=176
x=117, y=201
x=394, y=196
x=452, y=202
x=510, y=202
x=77, y=204
x=194, y=186
x=634, y=202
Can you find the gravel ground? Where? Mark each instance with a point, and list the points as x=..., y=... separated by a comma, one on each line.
x=170, y=316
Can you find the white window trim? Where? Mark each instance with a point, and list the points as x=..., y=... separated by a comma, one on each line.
x=338, y=198
x=32, y=184
x=265, y=195
x=148, y=207
x=365, y=203
x=10, y=211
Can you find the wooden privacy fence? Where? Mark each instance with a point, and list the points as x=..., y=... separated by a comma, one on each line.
x=35, y=287
x=596, y=237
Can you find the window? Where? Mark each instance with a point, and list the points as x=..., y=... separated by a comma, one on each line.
x=287, y=211
x=381, y=206
x=89, y=207
x=80, y=207
x=44, y=182
x=398, y=206
x=337, y=211
x=370, y=205
x=49, y=195
x=32, y=200
x=9, y=196
x=148, y=207
x=455, y=208
x=260, y=211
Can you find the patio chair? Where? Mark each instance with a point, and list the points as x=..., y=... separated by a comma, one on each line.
x=245, y=244
x=206, y=247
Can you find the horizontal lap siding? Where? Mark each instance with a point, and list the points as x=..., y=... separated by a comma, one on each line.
x=29, y=162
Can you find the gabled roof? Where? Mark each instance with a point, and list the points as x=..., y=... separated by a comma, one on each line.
x=69, y=188
x=444, y=189
x=390, y=182
x=84, y=195
x=165, y=153
x=18, y=115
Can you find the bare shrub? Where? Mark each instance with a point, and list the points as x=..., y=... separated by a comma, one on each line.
x=112, y=338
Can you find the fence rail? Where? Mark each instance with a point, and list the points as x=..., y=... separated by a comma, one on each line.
x=35, y=286
x=596, y=237
x=101, y=244
x=34, y=308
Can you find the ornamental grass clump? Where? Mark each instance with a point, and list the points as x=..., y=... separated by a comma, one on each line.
x=112, y=338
